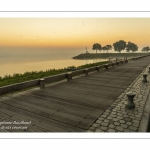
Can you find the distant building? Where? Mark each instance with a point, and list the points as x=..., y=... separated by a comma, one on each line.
x=87, y=51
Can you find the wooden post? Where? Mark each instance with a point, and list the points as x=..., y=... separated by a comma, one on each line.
x=69, y=76
x=86, y=72
x=42, y=83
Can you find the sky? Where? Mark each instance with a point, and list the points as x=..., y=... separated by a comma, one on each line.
x=70, y=34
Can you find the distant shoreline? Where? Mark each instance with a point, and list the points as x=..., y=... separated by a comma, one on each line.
x=106, y=55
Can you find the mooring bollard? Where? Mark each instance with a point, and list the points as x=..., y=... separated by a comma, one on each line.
x=69, y=76
x=112, y=64
x=149, y=70
x=97, y=68
x=106, y=66
x=42, y=83
x=118, y=63
x=130, y=104
x=109, y=60
x=86, y=72
x=126, y=60
x=144, y=78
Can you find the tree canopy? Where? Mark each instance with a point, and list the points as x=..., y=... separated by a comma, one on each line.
x=145, y=49
x=119, y=46
x=107, y=47
x=131, y=47
x=97, y=46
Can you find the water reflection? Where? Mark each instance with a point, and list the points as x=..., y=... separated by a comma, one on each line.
x=21, y=67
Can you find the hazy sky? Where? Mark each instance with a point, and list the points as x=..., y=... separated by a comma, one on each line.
x=71, y=33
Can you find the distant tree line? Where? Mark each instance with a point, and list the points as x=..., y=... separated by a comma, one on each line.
x=145, y=49
x=119, y=46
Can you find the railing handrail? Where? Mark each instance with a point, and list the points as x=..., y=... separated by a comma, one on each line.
x=55, y=78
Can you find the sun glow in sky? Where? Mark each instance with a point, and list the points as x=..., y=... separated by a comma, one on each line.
x=72, y=32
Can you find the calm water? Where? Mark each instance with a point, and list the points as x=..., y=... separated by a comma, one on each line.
x=11, y=63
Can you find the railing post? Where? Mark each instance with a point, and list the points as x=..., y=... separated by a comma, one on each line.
x=130, y=104
x=86, y=72
x=144, y=78
x=42, y=83
x=69, y=76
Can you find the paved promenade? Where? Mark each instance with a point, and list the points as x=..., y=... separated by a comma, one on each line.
x=93, y=103
x=119, y=119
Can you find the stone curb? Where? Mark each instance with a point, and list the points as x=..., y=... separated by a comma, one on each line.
x=145, y=122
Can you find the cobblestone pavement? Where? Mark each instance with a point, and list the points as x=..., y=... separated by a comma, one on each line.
x=119, y=119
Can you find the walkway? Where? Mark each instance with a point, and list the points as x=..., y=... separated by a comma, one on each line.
x=72, y=106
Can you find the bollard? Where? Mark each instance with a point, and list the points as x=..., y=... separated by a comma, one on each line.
x=149, y=70
x=122, y=61
x=106, y=66
x=130, y=104
x=144, y=78
x=109, y=59
x=118, y=63
x=116, y=59
x=42, y=83
x=112, y=64
x=69, y=76
x=126, y=60
x=97, y=68
x=86, y=72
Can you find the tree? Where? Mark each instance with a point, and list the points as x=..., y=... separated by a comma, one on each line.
x=145, y=49
x=131, y=47
x=107, y=47
x=96, y=47
x=104, y=48
x=119, y=46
